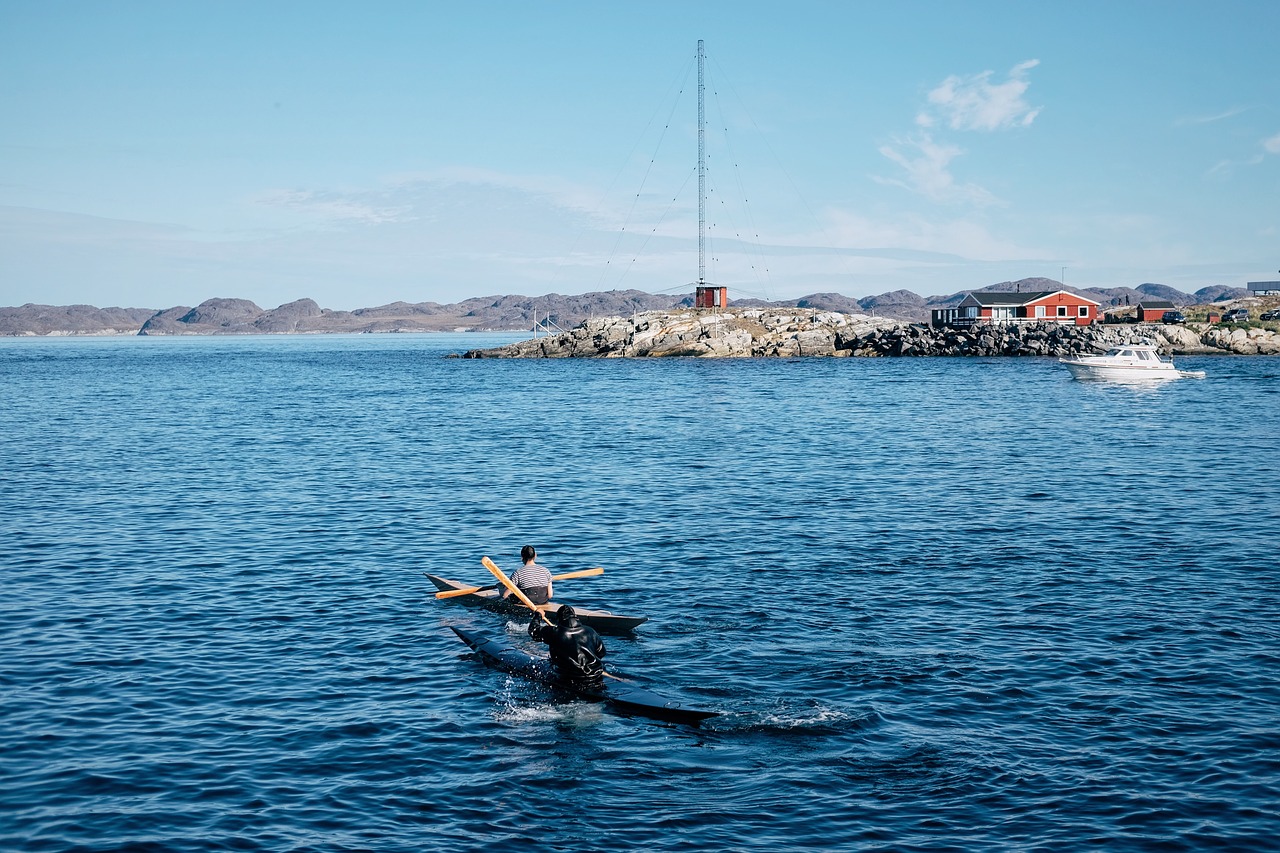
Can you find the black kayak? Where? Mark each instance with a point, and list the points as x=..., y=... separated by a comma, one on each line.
x=624, y=696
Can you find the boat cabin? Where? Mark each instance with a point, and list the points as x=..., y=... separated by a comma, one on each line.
x=1139, y=353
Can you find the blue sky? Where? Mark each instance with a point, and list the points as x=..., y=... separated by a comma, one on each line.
x=155, y=154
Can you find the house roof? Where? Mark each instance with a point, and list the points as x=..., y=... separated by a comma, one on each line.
x=1074, y=297
x=1001, y=298
x=1156, y=305
x=1005, y=299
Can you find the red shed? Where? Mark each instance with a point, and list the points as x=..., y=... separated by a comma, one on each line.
x=711, y=296
x=1151, y=310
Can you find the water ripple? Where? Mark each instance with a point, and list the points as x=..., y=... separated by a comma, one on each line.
x=930, y=626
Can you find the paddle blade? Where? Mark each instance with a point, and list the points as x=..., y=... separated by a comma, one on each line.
x=466, y=590
x=581, y=573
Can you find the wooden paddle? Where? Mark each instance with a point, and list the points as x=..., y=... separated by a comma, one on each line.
x=583, y=573
x=515, y=590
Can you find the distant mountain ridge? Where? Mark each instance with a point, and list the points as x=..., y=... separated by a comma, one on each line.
x=222, y=316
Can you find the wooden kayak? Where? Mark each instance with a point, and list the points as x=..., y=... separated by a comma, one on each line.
x=625, y=697
x=602, y=620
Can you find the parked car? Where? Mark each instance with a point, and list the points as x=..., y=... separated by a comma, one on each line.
x=1173, y=317
x=1270, y=315
x=1236, y=315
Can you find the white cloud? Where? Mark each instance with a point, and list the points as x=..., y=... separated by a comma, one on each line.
x=1210, y=119
x=957, y=238
x=959, y=103
x=1221, y=168
x=927, y=166
x=975, y=103
x=1227, y=168
x=333, y=207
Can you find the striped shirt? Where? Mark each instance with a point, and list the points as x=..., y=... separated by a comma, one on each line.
x=534, y=581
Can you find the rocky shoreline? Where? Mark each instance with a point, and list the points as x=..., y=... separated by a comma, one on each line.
x=773, y=333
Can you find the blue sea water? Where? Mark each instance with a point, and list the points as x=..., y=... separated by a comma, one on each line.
x=944, y=604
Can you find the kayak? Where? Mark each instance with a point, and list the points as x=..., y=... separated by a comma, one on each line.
x=626, y=697
x=602, y=620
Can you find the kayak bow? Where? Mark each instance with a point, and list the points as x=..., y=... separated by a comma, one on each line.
x=626, y=697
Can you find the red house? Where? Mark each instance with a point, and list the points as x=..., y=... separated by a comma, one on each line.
x=1045, y=306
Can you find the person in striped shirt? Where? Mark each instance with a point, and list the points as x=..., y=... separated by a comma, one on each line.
x=532, y=579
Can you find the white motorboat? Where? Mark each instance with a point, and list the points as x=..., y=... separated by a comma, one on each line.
x=1127, y=362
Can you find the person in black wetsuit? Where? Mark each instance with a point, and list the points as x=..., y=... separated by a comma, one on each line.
x=576, y=649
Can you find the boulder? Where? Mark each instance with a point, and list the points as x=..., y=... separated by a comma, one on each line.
x=816, y=342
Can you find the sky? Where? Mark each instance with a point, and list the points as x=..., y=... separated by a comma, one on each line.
x=156, y=154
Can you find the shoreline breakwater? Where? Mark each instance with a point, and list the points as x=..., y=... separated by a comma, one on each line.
x=771, y=333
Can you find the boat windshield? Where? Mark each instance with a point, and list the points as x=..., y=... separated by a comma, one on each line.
x=1134, y=354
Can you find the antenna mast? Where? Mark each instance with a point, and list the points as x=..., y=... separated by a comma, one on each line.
x=702, y=176
x=704, y=295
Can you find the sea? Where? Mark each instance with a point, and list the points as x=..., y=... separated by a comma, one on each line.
x=941, y=604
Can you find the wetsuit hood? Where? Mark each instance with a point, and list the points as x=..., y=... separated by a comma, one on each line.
x=566, y=618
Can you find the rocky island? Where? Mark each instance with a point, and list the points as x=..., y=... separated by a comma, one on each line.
x=772, y=333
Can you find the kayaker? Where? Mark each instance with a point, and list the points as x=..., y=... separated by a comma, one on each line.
x=576, y=649
x=533, y=580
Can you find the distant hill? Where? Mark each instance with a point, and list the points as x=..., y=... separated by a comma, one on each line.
x=224, y=316
x=899, y=303
x=72, y=320
x=1218, y=293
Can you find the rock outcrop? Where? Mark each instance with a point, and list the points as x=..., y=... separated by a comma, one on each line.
x=766, y=333
x=757, y=332
x=1243, y=341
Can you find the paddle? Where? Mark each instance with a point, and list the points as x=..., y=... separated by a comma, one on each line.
x=515, y=590
x=583, y=573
